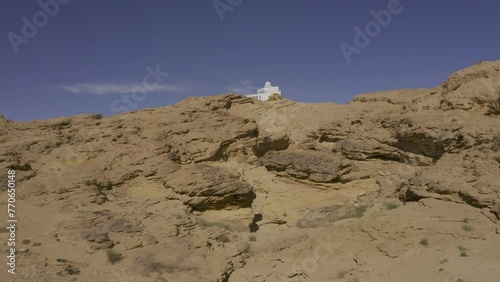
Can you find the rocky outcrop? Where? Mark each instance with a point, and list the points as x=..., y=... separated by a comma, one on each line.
x=477, y=87
x=207, y=187
x=472, y=179
x=315, y=167
x=270, y=143
x=369, y=149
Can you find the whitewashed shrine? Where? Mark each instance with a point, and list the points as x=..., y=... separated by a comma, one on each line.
x=264, y=93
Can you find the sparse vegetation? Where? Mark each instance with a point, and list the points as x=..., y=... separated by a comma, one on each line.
x=72, y=270
x=465, y=220
x=360, y=211
x=326, y=215
x=104, y=185
x=159, y=267
x=357, y=212
x=252, y=238
x=424, y=242
x=467, y=227
x=152, y=240
x=463, y=251
x=342, y=274
x=3, y=229
x=113, y=256
x=224, y=238
x=162, y=136
x=495, y=146
x=246, y=248
x=391, y=206
x=178, y=215
x=204, y=223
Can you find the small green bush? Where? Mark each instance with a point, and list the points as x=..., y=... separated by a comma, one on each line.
x=342, y=274
x=252, y=238
x=246, y=248
x=113, y=256
x=360, y=211
x=391, y=206
x=467, y=227
x=357, y=212
x=463, y=251
x=152, y=240
x=204, y=223
x=424, y=242
x=224, y=238
x=495, y=146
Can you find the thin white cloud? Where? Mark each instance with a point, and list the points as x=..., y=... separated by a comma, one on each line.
x=242, y=87
x=114, y=88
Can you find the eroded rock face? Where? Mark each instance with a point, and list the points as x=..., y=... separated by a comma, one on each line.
x=315, y=167
x=208, y=187
x=271, y=143
x=465, y=177
x=369, y=149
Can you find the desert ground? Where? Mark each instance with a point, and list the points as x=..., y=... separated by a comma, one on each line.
x=401, y=185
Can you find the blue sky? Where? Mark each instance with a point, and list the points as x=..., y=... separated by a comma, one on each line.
x=88, y=54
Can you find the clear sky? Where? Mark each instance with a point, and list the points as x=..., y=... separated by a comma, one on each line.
x=87, y=55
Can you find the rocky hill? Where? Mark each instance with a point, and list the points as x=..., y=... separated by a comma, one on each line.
x=395, y=186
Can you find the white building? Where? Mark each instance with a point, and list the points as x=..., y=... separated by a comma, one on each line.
x=264, y=93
